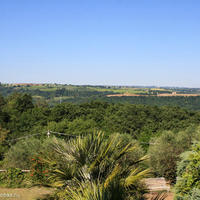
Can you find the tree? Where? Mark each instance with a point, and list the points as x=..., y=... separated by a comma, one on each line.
x=2, y=101
x=19, y=103
x=80, y=126
x=63, y=111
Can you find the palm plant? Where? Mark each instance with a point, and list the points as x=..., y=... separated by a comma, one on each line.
x=98, y=169
x=92, y=191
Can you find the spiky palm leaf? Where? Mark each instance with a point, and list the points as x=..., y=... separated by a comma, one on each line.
x=99, y=167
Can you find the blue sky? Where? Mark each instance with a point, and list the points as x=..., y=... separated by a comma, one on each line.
x=106, y=42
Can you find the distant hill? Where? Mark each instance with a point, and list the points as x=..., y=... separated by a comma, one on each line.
x=55, y=93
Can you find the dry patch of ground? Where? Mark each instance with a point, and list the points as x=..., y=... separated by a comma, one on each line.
x=24, y=193
x=158, y=95
x=178, y=95
x=125, y=95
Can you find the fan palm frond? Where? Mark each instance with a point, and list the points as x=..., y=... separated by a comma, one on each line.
x=99, y=169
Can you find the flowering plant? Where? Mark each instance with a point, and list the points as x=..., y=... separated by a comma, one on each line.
x=39, y=171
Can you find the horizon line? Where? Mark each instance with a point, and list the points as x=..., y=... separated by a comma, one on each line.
x=105, y=85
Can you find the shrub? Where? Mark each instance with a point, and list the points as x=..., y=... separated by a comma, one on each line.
x=30, y=154
x=20, y=154
x=165, y=150
x=13, y=177
x=188, y=183
x=39, y=171
x=195, y=194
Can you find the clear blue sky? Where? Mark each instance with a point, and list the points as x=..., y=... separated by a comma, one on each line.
x=112, y=42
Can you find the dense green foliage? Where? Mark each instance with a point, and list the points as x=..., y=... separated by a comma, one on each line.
x=19, y=117
x=20, y=154
x=164, y=151
x=140, y=121
x=13, y=177
x=188, y=184
x=192, y=102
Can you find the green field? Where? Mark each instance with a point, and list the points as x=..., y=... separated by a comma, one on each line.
x=57, y=93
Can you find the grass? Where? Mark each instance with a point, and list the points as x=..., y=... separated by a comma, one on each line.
x=120, y=90
x=48, y=89
x=161, y=89
x=37, y=97
x=62, y=98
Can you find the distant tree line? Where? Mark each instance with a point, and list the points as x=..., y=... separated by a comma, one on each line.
x=192, y=103
x=82, y=94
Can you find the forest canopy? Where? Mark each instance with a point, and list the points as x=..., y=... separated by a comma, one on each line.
x=21, y=117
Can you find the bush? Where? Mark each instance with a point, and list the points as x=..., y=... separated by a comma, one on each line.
x=164, y=151
x=20, y=154
x=188, y=183
x=13, y=177
x=30, y=154
x=39, y=171
x=195, y=194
